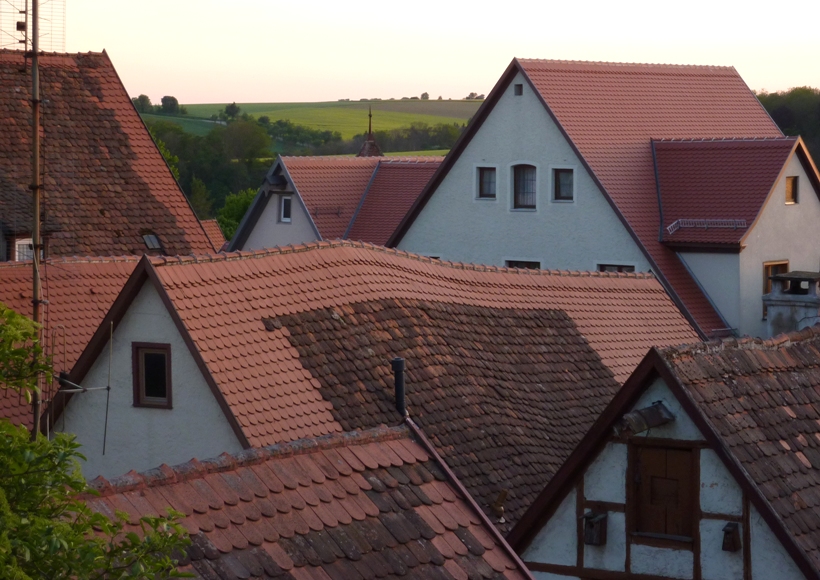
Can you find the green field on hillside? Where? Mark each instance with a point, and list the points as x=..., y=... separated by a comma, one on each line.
x=347, y=117
x=195, y=126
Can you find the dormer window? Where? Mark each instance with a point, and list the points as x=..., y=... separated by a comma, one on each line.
x=23, y=250
x=152, y=241
x=791, y=189
x=285, y=208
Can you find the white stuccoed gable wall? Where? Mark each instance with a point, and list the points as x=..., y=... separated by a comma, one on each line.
x=604, y=480
x=141, y=438
x=269, y=232
x=454, y=225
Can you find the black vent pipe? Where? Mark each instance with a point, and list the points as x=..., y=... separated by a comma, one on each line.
x=398, y=376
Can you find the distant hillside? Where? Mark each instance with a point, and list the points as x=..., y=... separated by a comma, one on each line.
x=347, y=117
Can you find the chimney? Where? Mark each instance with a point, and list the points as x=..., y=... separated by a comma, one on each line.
x=398, y=375
x=793, y=303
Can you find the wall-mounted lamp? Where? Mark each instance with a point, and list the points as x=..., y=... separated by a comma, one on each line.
x=594, y=528
x=731, y=537
x=640, y=420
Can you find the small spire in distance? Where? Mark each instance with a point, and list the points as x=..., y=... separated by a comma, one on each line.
x=369, y=147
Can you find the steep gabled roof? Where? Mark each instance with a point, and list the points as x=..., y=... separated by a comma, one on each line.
x=105, y=182
x=395, y=186
x=331, y=188
x=359, y=198
x=712, y=191
x=610, y=113
x=371, y=504
x=757, y=403
x=214, y=233
x=79, y=292
x=506, y=368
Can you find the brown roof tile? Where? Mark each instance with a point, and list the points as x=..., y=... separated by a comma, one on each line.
x=105, y=182
x=311, y=541
x=506, y=368
x=763, y=399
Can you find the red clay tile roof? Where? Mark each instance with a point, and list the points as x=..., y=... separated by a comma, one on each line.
x=214, y=233
x=331, y=188
x=79, y=294
x=713, y=190
x=763, y=399
x=105, y=182
x=394, y=188
x=359, y=505
x=610, y=113
x=297, y=341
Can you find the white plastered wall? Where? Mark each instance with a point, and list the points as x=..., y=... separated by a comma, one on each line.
x=270, y=232
x=721, y=501
x=576, y=236
x=782, y=232
x=141, y=438
x=719, y=276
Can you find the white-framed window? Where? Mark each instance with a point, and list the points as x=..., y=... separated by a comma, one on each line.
x=563, y=184
x=285, y=207
x=524, y=186
x=486, y=182
x=23, y=249
x=616, y=268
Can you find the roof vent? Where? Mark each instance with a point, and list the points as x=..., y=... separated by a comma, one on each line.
x=398, y=375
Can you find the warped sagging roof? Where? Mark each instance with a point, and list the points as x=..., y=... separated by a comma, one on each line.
x=105, y=183
x=713, y=181
x=359, y=505
x=297, y=342
x=79, y=292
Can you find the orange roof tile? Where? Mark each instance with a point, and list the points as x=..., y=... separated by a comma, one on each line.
x=297, y=341
x=336, y=517
x=395, y=186
x=79, y=293
x=214, y=233
x=611, y=112
x=105, y=182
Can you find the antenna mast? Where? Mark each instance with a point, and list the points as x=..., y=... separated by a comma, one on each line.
x=36, y=296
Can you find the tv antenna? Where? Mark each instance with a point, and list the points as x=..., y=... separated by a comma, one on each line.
x=17, y=21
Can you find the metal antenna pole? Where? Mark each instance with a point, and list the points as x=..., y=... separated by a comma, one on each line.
x=36, y=297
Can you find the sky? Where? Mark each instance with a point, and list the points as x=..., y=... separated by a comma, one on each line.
x=204, y=51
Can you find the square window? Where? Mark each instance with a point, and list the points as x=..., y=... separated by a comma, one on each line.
x=284, y=208
x=524, y=187
x=615, y=268
x=562, y=184
x=152, y=374
x=23, y=250
x=663, y=492
x=523, y=264
x=791, y=189
x=486, y=182
x=518, y=90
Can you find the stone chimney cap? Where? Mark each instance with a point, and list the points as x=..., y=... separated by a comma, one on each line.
x=797, y=275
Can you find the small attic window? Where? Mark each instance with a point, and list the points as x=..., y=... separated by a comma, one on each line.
x=23, y=250
x=152, y=241
x=791, y=189
x=518, y=90
x=284, y=208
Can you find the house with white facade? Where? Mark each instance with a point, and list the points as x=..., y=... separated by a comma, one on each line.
x=672, y=169
x=706, y=465
x=309, y=199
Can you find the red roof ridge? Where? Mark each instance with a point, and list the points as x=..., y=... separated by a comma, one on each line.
x=328, y=244
x=411, y=159
x=344, y=158
x=74, y=260
x=639, y=65
x=728, y=140
x=744, y=343
x=196, y=469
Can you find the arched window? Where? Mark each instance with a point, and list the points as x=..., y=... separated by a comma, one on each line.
x=524, y=187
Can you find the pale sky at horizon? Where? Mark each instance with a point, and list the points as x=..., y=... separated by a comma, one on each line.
x=255, y=51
